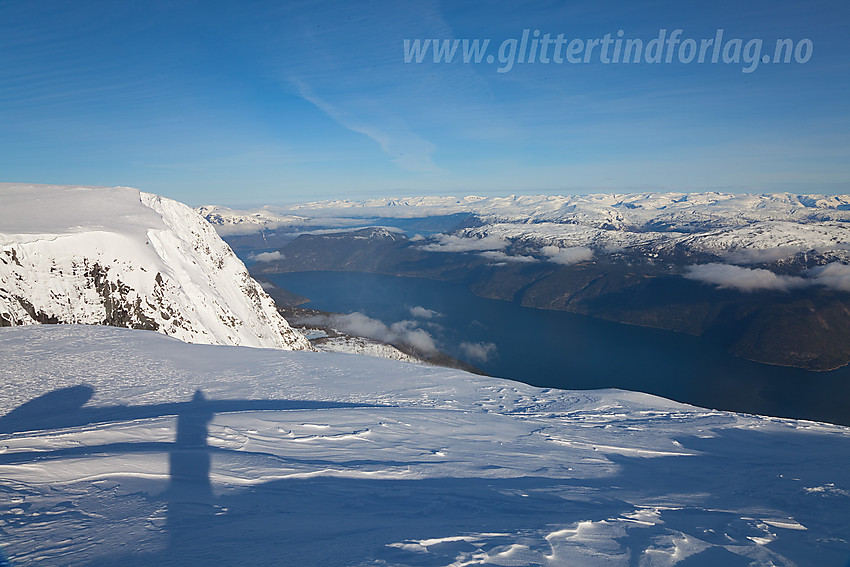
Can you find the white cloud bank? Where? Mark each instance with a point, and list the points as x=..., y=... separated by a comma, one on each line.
x=423, y=313
x=499, y=256
x=567, y=256
x=361, y=325
x=268, y=256
x=492, y=247
x=451, y=243
x=479, y=352
x=834, y=276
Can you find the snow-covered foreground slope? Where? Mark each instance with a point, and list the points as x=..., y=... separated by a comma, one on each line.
x=267, y=466
x=115, y=256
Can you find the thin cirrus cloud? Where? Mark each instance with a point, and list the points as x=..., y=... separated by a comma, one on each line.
x=347, y=71
x=348, y=62
x=406, y=150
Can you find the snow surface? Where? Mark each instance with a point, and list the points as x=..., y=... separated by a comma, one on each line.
x=96, y=255
x=437, y=467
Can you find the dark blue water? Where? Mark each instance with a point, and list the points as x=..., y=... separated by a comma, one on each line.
x=562, y=350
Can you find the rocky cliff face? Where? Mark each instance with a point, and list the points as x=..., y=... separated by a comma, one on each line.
x=116, y=256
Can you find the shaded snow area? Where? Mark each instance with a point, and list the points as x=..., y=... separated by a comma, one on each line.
x=115, y=256
x=126, y=447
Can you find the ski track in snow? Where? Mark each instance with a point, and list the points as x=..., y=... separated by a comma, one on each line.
x=439, y=467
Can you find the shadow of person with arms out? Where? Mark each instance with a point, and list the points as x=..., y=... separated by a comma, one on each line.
x=195, y=518
x=189, y=495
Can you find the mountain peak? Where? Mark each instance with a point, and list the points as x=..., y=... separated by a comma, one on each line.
x=121, y=257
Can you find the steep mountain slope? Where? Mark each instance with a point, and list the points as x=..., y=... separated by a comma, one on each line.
x=126, y=448
x=116, y=256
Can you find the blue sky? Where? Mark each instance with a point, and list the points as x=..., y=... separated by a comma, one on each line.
x=256, y=102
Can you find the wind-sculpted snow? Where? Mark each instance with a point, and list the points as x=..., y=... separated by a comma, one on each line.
x=115, y=256
x=123, y=447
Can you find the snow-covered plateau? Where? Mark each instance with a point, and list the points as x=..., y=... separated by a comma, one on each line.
x=117, y=256
x=127, y=447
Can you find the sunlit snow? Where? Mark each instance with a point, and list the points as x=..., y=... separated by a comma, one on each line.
x=151, y=451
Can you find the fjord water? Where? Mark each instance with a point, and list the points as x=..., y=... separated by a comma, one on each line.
x=563, y=350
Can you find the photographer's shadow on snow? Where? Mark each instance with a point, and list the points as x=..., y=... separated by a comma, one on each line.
x=189, y=495
x=189, y=461
x=65, y=408
x=322, y=519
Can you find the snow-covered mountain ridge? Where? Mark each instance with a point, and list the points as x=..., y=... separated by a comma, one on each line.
x=121, y=257
x=632, y=211
x=739, y=228
x=635, y=212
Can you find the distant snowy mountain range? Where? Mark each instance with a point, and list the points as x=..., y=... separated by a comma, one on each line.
x=120, y=257
x=736, y=228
